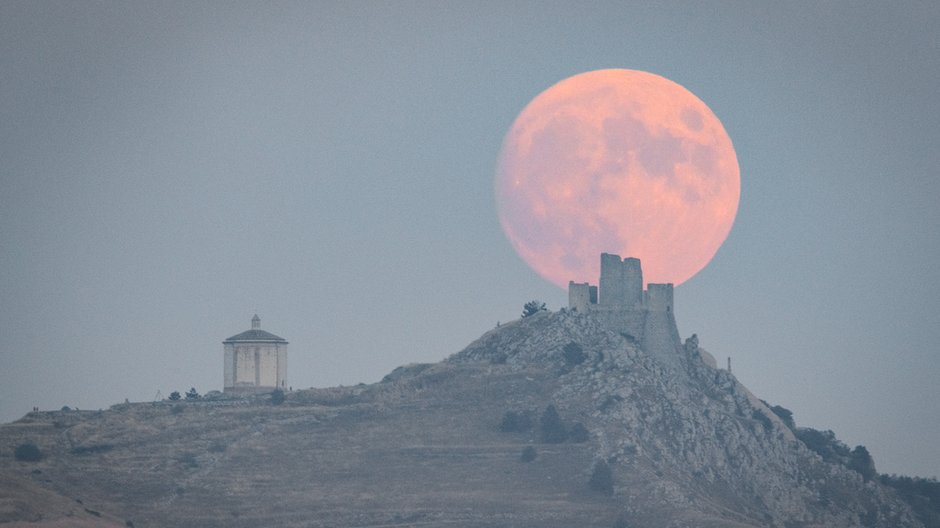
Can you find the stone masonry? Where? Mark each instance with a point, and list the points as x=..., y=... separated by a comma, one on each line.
x=255, y=361
x=623, y=306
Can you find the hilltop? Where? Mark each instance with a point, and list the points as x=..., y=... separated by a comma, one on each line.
x=635, y=441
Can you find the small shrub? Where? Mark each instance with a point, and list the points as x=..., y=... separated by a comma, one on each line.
x=551, y=428
x=27, y=453
x=278, y=397
x=515, y=422
x=573, y=354
x=217, y=447
x=602, y=478
x=579, y=434
x=532, y=307
x=786, y=415
x=175, y=396
x=176, y=409
x=763, y=419
x=191, y=394
x=65, y=408
x=528, y=454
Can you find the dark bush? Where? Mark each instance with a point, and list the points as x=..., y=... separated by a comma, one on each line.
x=217, y=447
x=923, y=496
x=551, y=428
x=27, y=453
x=602, y=478
x=515, y=422
x=175, y=396
x=532, y=307
x=191, y=394
x=573, y=354
x=784, y=414
x=177, y=409
x=528, y=454
x=579, y=434
x=825, y=444
x=860, y=461
x=278, y=397
x=763, y=419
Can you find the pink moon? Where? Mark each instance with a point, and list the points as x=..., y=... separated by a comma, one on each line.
x=617, y=161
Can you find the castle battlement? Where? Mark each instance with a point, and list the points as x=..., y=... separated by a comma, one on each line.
x=621, y=305
x=621, y=287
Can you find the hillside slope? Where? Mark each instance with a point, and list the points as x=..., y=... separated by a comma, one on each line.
x=687, y=445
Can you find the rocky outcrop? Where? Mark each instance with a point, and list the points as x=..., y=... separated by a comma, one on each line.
x=690, y=437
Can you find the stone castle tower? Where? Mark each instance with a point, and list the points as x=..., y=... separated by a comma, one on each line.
x=623, y=306
x=255, y=361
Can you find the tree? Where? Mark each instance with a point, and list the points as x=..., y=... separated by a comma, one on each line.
x=602, y=478
x=515, y=422
x=860, y=461
x=532, y=307
x=552, y=429
x=175, y=396
x=191, y=394
x=27, y=453
x=783, y=413
x=573, y=354
x=278, y=397
x=579, y=434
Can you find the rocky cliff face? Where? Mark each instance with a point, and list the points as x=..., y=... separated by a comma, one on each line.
x=684, y=436
x=686, y=443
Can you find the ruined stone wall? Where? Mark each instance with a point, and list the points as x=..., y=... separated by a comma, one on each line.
x=579, y=296
x=612, y=287
x=632, y=282
x=659, y=297
x=629, y=322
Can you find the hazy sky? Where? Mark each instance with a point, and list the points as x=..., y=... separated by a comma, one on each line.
x=169, y=169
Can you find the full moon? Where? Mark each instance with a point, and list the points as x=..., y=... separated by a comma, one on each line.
x=617, y=161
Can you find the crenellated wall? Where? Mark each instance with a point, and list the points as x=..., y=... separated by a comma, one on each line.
x=659, y=297
x=624, y=307
x=579, y=296
x=632, y=282
x=612, y=291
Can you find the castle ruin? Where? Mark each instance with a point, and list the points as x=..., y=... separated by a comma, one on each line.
x=622, y=305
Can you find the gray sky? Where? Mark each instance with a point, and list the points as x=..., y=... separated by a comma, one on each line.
x=169, y=169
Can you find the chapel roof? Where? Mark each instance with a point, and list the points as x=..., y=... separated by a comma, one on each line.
x=256, y=334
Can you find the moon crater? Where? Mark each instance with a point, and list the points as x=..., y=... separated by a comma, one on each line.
x=617, y=161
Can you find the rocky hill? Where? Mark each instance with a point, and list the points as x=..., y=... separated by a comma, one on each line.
x=550, y=421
